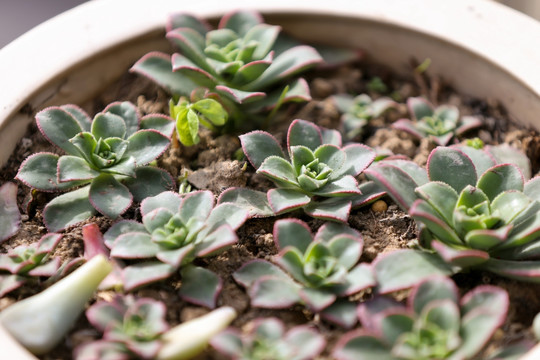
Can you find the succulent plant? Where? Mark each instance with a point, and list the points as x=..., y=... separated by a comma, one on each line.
x=28, y=261
x=131, y=327
x=174, y=231
x=441, y=124
x=41, y=321
x=435, y=324
x=267, y=339
x=240, y=64
x=315, y=271
x=189, y=114
x=472, y=212
x=317, y=174
x=107, y=154
x=357, y=111
x=10, y=217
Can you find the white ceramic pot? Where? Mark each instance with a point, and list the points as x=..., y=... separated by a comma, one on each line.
x=479, y=47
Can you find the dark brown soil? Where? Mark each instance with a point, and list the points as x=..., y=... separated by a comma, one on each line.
x=211, y=165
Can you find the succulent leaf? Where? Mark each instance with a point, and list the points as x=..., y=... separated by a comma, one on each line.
x=10, y=216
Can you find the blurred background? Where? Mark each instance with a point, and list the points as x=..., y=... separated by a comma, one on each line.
x=19, y=16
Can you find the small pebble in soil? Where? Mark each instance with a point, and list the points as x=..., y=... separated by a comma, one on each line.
x=379, y=206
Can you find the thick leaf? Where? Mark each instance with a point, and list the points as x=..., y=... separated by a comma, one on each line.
x=39, y=171
x=419, y=107
x=394, y=325
x=274, y=293
x=476, y=330
x=255, y=202
x=168, y=199
x=277, y=168
x=341, y=312
x=253, y=270
x=10, y=217
x=240, y=21
x=501, y=178
x=285, y=200
x=330, y=155
x=346, y=248
x=232, y=214
x=317, y=299
x=481, y=158
x=359, y=278
x=157, y=67
x=333, y=209
x=177, y=257
x=519, y=270
x=10, y=282
x=432, y=289
x=156, y=219
x=460, y=257
x=258, y=145
x=197, y=205
x=345, y=186
x=424, y=213
x=146, y=145
x=128, y=112
x=120, y=228
x=442, y=197
x=397, y=183
x=451, y=166
x=58, y=126
x=292, y=232
x=109, y=196
x=239, y=96
x=191, y=43
x=371, y=192
x=361, y=346
x=532, y=188
x=108, y=125
x=141, y=274
x=216, y=242
x=307, y=342
x=359, y=157
x=149, y=181
x=80, y=115
x=134, y=245
x=158, y=122
x=402, y=269
x=68, y=209
x=509, y=204
x=200, y=286
x=186, y=20
x=302, y=132
x=187, y=126
x=201, y=76
x=73, y=168
x=288, y=63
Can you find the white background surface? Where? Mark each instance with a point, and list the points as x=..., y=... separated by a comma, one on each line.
x=19, y=16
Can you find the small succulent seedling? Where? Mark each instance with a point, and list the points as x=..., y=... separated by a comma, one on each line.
x=435, y=324
x=190, y=113
x=240, y=64
x=317, y=174
x=174, y=231
x=472, y=212
x=131, y=327
x=267, y=339
x=29, y=261
x=10, y=217
x=41, y=321
x=317, y=271
x=107, y=154
x=440, y=124
x=358, y=111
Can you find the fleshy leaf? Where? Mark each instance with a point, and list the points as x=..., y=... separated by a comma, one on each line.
x=333, y=209
x=341, y=312
x=134, y=245
x=402, y=269
x=39, y=171
x=47, y=121
x=109, y=196
x=305, y=133
x=255, y=202
x=200, y=286
x=451, y=166
x=149, y=181
x=72, y=168
x=107, y=125
x=291, y=232
x=68, y=209
x=285, y=200
x=10, y=217
x=274, y=292
x=128, y=112
x=145, y=273
x=253, y=270
x=146, y=145
x=500, y=178
x=258, y=145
